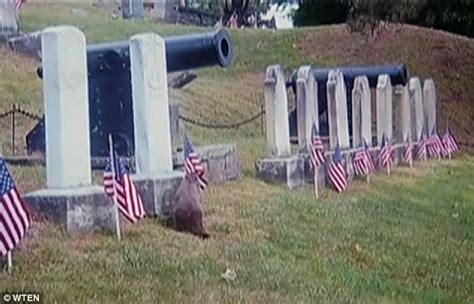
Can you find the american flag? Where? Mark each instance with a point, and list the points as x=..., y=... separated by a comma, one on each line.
x=450, y=143
x=129, y=200
x=316, y=148
x=370, y=159
x=337, y=172
x=408, y=152
x=360, y=162
x=14, y=217
x=192, y=163
x=386, y=153
x=421, y=149
x=18, y=4
x=435, y=145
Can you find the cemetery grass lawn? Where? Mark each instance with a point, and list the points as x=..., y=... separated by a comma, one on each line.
x=404, y=239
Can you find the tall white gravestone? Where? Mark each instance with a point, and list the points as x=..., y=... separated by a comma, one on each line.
x=361, y=112
x=153, y=151
x=276, y=112
x=402, y=113
x=416, y=104
x=337, y=110
x=429, y=103
x=66, y=107
x=306, y=104
x=384, y=108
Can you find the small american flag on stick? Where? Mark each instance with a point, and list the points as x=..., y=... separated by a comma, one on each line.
x=450, y=143
x=370, y=159
x=408, y=152
x=386, y=154
x=192, y=163
x=421, y=149
x=316, y=148
x=18, y=4
x=117, y=182
x=360, y=162
x=435, y=145
x=14, y=216
x=337, y=172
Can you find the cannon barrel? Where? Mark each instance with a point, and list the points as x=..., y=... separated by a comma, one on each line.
x=398, y=76
x=183, y=52
x=110, y=88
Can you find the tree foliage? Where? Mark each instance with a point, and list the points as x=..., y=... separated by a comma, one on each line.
x=369, y=15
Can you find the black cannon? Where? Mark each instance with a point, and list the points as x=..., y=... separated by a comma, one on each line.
x=110, y=88
x=398, y=76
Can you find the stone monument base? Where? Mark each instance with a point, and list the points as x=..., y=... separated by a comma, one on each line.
x=157, y=191
x=286, y=170
x=77, y=210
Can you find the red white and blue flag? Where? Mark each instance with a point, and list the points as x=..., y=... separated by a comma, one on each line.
x=450, y=143
x=408, y=152
x=14, y=217
x=370, y=159
x=337, y=172
x=316, y=148
x=386, y=153
x=118, y=182
x=421, y=149
x=360, y=162
x=192, y=163
x=435, y=145
x=18, y=4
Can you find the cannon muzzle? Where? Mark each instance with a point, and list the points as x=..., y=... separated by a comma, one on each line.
x=183, y=52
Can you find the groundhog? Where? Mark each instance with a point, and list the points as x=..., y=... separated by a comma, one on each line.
x=187, y=214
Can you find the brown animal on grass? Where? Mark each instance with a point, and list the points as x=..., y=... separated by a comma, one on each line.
x=187, y=214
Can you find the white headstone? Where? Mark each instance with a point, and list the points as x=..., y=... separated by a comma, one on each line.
x=337, y=110
x=8, y=18
x=402, y=114
x=153, y=152
x=65, y=91
x=276, y=112
x=416, y=105
x=384, y=108
x=306, y=104
x=429, y=103
x=361, y=112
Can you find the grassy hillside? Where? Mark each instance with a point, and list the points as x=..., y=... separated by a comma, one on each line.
x=404, y=239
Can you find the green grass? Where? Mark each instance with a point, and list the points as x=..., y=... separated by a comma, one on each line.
x=404, y=239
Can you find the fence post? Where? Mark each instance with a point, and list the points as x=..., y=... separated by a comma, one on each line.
x=13, y=128
x=261, y=118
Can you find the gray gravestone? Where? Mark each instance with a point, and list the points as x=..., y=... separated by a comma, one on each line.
x=429, y=104
x=132, y=9
x=361, y=112
x=402, y=116
x=416, y=108
x=306, y=104
x=384, y=108
x=337, y=110
x=8, y=18
x=276, y=112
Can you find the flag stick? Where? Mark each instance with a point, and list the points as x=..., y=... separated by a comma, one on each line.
x=316, y=191
x=388, y=170
x=449, y=155
x=411, y=162
x=9, y=261
x=116, y=211
x=368, y=178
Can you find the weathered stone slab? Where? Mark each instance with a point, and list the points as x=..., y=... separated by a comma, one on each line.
x=384, y=108
x=361, y=112
x=429, y=104
x=417, y=112
x=132, y=9
x=222, y=162
x=306, y=105
x=77, y=210
x=65, y=90
x=27, y=44
x=276, y=112
x=157, y=191
x=282, y=170
x=337, y=110
x=150, y=100
x=402, y=114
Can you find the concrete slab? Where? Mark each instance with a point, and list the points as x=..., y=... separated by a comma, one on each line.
x=77, y=210
x=286, y=170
